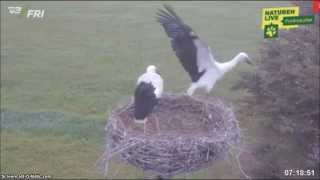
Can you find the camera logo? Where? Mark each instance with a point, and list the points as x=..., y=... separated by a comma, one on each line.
x=29, y=13
x=15, y=10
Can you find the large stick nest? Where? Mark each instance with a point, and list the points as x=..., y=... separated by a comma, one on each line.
x=182, y=134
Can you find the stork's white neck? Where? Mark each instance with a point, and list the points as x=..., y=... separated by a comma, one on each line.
x=227, y=66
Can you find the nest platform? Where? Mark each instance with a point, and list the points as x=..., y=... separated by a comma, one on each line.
x=183, y=134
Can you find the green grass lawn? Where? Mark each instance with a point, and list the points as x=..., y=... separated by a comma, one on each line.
x=60, y=76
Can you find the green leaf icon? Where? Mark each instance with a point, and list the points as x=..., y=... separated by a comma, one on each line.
x=271, y=31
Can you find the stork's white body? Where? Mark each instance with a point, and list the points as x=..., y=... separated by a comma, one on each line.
x=147, y=93
x=207, y=81
x=150, y=76
x=214, y=71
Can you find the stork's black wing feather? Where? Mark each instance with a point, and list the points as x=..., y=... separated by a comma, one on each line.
x=182, y=38
x=144, y=100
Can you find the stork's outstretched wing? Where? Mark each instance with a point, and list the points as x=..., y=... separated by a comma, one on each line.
x=204, y=55
x=182, y=41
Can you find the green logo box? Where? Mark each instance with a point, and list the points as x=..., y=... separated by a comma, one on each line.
x=271, y=31
x=296, y=20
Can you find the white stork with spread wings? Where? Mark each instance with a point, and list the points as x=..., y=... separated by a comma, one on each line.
x=195, y=56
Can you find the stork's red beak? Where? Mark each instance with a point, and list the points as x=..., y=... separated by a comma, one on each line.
x=157, y=71
x=249, y=60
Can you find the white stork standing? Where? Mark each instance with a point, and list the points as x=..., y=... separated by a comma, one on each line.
x=194, y=55
x=147, y=93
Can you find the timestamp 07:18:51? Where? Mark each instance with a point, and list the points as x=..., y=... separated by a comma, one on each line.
x=299, y=172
